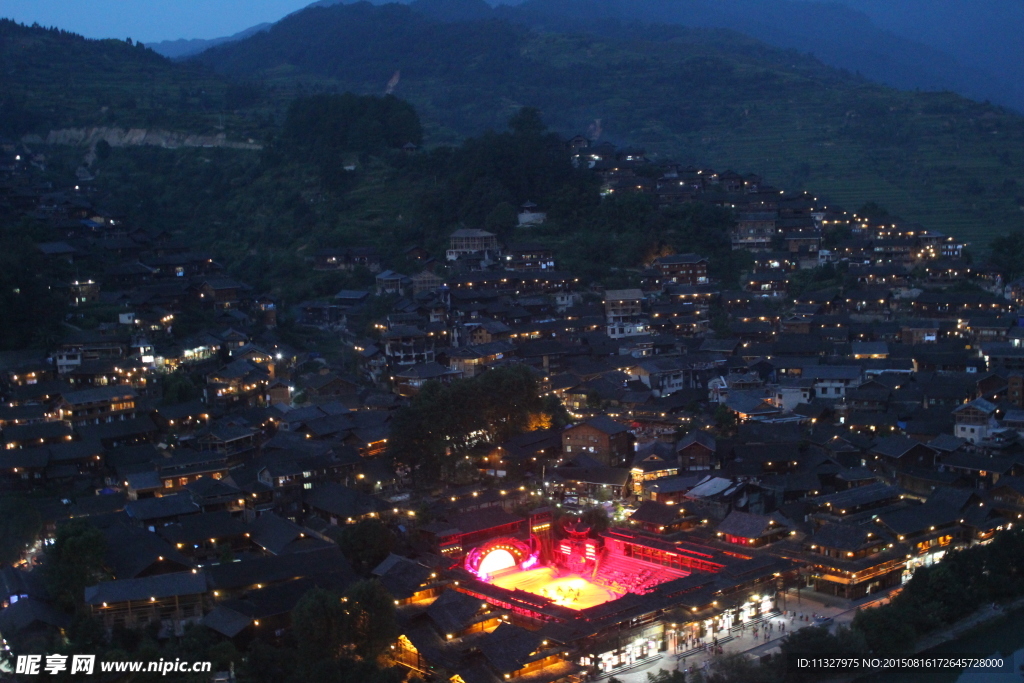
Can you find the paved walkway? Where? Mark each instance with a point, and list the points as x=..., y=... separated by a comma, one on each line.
x=799, y=613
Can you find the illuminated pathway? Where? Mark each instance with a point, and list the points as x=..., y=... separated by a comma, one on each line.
x=570, y=590
x=741, y=642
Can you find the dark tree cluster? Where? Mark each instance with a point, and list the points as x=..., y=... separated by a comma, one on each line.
x=20, y=524
x=1008, y=254
x=338, y=638
x=434, y=432
x=366, y=544
x=31, y=307
x=74, y=561
x=326, y=128
x=483, y=181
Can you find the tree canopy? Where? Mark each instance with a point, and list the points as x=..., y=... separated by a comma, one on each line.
x=359, y=623
x=1008, y=254
x=319, y=624
x=74, y=562
x=366, y=543
x=443, y=421
x=20, y=524
x=332, y=124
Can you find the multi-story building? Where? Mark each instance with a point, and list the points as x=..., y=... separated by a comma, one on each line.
x=975, y=420
x=623, y=305
x=529, y=257
x=683, y=269
x=408, y=345
x=624, y=313
x=469, y=241
x=100, y=404
x=754, y=231
x=601, y=438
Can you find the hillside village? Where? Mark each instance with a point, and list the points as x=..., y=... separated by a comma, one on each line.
x=850, y=415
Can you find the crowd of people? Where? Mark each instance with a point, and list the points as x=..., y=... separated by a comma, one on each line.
x=622, y=582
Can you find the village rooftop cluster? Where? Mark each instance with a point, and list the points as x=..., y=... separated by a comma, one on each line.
x=746, y=443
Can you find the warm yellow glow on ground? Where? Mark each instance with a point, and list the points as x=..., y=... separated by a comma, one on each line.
x=569, y=590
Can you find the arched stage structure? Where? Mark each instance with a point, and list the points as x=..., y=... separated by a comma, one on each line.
x=498, y=554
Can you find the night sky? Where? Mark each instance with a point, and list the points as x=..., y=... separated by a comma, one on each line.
x=149, y=20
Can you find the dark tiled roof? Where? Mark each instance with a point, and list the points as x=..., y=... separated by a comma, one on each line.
x=895, y=446
x=605, y=424
x=97, y=394
x=41, y=430
x=159, y=586
x=130, y=551
x=26, y=612
x=919, y=518
x=165, y=506
x=73, y=451
x=402, y=577
x=226, y=621
x=119, y=428
x=699, y=437
x=328, y=561
x=98, y=504
x=849, y=537
x=747, y=525
x=509, y=648
x=342, y=501
x=486, y=518
x=612, y=476
x=453, y=611
x=653, y=512
x=34, y=458
x=197, y=528
x=273, y=533
x=860, y=495
x=946, y=443
x=182, y=410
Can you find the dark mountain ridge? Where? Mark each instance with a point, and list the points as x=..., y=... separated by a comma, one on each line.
x=911, y=44
x=708, y=96
x=836, y=34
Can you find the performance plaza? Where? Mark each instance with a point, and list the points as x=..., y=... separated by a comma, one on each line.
x=512, y=601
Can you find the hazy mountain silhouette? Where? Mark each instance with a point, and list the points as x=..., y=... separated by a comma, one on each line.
x=186, y=47
x=880, y=39
x=984, y=34
x=976, y=51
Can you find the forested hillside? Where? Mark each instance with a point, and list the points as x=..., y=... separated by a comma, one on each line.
x=701, y=96
x=839, y=36
x=910, y=44
x=53, y=79
x=264, y=214
x=707, y=97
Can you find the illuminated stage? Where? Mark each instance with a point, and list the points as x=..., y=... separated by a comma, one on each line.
x=579, y=572
x=561, y=587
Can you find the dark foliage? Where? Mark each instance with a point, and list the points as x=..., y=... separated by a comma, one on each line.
x=1008, y=254
x=366, y=543
x=73, y=562
x=431, y=434
x=20, y=524
x=55, y=78
x=702, y=96
x=326, y=128
x=31, y=306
